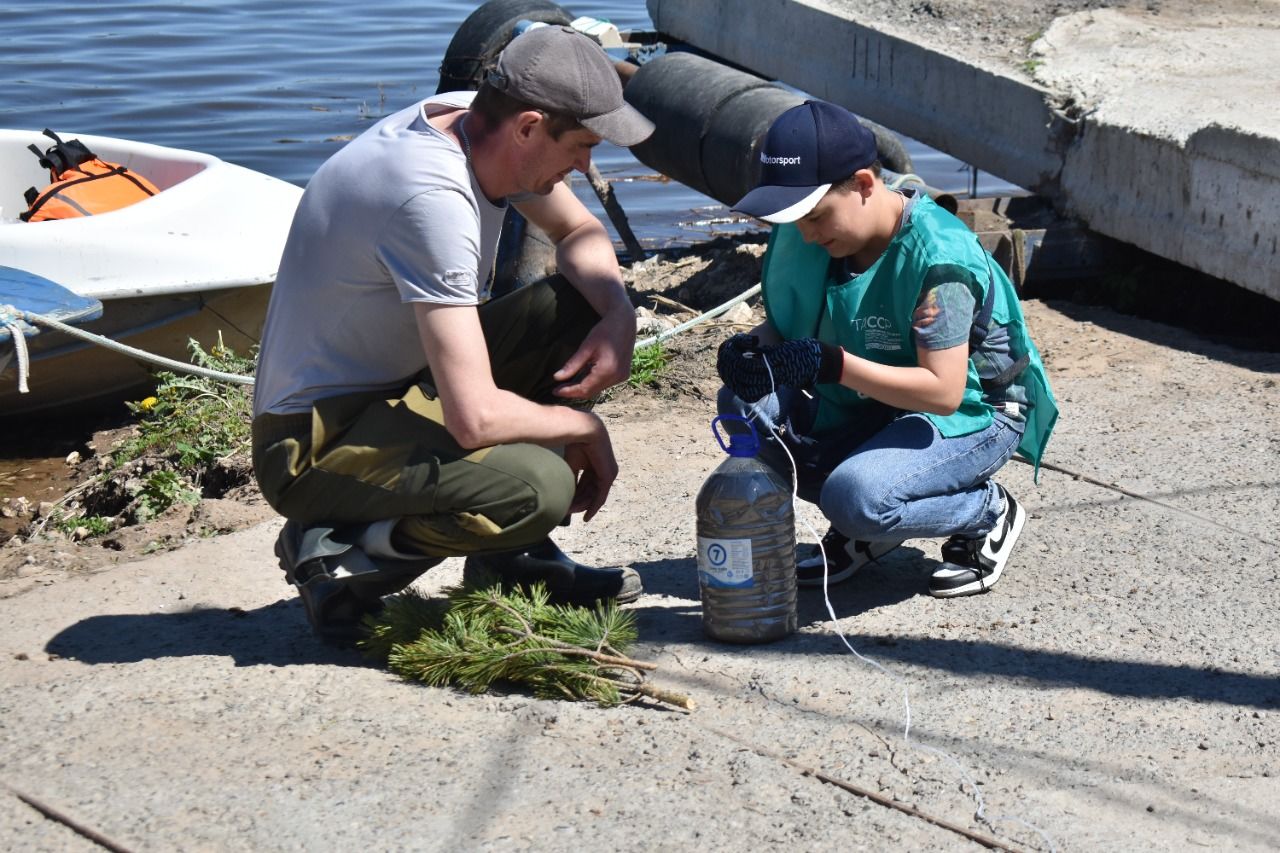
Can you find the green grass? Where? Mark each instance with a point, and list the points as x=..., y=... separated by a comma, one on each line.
x=95, y=525
x=190, y=426
x=647, y=365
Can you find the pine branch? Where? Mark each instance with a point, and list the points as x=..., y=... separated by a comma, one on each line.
x=481, y=637
x=403, y=618
x=569, y=649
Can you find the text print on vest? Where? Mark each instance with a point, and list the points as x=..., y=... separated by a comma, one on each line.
x=878, y=333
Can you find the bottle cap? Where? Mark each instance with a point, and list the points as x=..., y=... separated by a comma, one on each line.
x=741, y=443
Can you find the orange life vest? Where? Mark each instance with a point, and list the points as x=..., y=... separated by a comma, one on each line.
x=82, y=184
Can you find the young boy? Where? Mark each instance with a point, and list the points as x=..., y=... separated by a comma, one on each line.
x=894, y=359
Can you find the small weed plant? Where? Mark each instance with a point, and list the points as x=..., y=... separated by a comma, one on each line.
x=160, y=490
x=647, y=364
x=84, y=527
x=189, y=426
x=192, y=420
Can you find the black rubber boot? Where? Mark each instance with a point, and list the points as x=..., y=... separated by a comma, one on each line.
x=339, y=583
x=568, y=581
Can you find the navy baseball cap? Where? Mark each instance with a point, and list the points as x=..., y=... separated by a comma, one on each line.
x=807, y=149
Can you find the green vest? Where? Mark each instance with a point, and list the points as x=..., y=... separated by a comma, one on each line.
x=870, y=316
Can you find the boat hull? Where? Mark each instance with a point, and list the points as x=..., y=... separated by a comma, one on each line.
x=196, y=259
x=68, y=375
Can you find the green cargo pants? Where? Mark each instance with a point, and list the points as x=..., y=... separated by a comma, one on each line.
x=360, y=458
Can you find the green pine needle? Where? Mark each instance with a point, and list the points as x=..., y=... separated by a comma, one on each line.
x=482, y=637
x=403, y=618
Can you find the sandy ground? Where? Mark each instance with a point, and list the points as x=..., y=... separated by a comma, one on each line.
x=1119, y=689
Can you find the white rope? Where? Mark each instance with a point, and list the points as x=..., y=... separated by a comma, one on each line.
x=37, y=319
x=701, y=318
x=20, y=347
x=142, y=355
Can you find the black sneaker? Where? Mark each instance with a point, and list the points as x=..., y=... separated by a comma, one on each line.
x=568, y=581
x=971, y=566
x=844, y=557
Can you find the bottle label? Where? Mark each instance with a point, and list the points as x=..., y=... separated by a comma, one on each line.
x=725, y=563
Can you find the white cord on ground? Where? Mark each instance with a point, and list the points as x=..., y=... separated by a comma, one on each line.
x=979, y=800
x=701, y=318
x=159, y=360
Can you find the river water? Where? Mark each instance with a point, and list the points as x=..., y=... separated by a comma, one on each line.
x=279, y=86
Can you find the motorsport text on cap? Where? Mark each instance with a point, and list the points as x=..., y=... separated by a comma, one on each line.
x=807, y=149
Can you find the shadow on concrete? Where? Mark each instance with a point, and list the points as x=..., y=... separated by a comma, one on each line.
x=904, y=574
x=1134, y=679
x=896, y=577
x=276, y=634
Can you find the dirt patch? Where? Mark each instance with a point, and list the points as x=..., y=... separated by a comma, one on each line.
x=33, y=542
x=671, y=289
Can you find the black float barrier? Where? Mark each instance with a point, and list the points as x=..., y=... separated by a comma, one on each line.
x=710, y=119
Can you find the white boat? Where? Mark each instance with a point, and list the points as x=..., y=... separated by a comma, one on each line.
x=195, y=260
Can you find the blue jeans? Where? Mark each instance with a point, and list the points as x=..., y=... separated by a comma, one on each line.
x=899, y=479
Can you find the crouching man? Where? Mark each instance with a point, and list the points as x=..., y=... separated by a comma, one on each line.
x=401, y=416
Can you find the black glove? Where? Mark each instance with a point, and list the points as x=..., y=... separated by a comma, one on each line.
x=802, y=363
x=731, y=352
x=796, y=364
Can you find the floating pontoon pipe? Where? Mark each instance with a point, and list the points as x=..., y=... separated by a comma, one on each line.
x=711, y=118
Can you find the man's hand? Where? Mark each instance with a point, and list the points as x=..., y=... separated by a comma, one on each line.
x=603, y=360
x=594, y=470
x=585, y=255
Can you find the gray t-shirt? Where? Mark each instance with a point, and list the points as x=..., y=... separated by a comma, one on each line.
x=393, y=218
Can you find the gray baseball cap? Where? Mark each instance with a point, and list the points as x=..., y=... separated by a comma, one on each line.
x=558, y=68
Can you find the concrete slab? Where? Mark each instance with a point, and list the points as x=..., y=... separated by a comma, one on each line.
x=1156, y=124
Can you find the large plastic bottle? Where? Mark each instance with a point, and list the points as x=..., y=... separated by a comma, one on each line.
x=746, y=545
